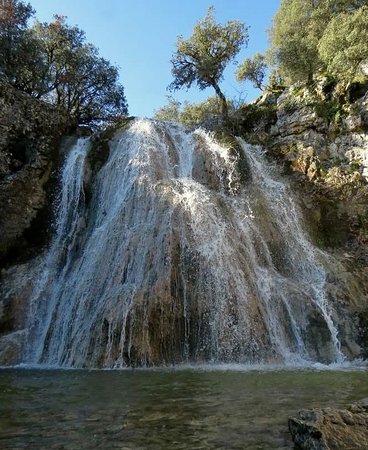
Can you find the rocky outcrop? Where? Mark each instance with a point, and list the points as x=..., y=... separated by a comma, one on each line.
x=330, y=428
x=332, y=155
x=30, y=137
x=317, y=136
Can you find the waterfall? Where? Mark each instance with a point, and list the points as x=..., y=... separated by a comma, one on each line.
x=175, y=258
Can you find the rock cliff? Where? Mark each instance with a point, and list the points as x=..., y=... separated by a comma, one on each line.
x=30, y=137
x=324, y=147
x=327, y=161
x=31, y=133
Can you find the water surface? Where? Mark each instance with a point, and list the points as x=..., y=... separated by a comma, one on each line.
x=164, y=409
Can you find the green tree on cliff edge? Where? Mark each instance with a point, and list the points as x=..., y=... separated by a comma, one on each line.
x=312, y=37
x=75, y=77
x=53, y=62
x=16, y=45
x=202, y=58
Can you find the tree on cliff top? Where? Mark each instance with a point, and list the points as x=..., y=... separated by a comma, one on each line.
x=344, y=45
x=201, y=59
x=75, y=77
x=16, y=45
x=319, y=36
x=53, y=62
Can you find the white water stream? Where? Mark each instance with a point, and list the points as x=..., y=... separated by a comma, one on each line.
x=174, y=260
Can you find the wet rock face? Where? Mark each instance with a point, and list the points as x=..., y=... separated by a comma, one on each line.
x=30, y=136
x=330, y=428
x=15, y=291
x=11, y=347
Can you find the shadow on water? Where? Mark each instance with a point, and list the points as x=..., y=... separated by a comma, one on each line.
x=163, y=409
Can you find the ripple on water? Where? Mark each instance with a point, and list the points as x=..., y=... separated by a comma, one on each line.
x=193, y=407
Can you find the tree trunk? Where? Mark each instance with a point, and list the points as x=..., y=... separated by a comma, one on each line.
x=220, y=95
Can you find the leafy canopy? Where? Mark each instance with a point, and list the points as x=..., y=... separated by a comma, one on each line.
x=76, y=77
x=344, y=44
x=170, y=112
x=53, y=62
x=253, y=69
x=190, y=114
x=314, y=36
x=294, y=38
x=16, y=44
x=201, y=59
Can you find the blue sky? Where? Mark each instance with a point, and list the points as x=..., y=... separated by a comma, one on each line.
x=140, y=35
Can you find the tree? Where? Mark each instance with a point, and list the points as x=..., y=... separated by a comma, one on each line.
x=202, y=58
x=195, y=114
x=75, y=77
x=53, y=62
x=17, y=48
x=294, y=37
x=253, y=69
x=297, y=31
x=191, y=114
x=344, y=46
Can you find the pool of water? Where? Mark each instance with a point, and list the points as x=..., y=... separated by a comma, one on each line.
x=222, y=408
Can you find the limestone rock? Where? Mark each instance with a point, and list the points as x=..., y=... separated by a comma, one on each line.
x=296, y=122
x=330, y=428
x=299, y=134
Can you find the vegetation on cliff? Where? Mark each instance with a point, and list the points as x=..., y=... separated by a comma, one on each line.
x=319, y=46
x=192, y=114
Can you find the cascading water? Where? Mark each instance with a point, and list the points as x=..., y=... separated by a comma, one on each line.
x=174, y=259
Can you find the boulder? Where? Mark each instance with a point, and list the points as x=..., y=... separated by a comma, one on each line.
x=331, y=428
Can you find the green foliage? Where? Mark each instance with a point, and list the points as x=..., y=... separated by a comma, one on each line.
x=253, y=114
x=253, y=69
x=76, y=77
x=355, y=165
x=52, y=61
x=170, y=112
x=331, y=110
x=194, y=114
x=294, y=41
x=191, y=114
x=314, y=36
x=202, y=58
x=344, y=45
x=17, y=48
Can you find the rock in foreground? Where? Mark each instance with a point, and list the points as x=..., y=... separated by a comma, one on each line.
x=330, y=428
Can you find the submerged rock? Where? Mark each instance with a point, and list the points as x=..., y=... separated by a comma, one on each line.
x=331, y=428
